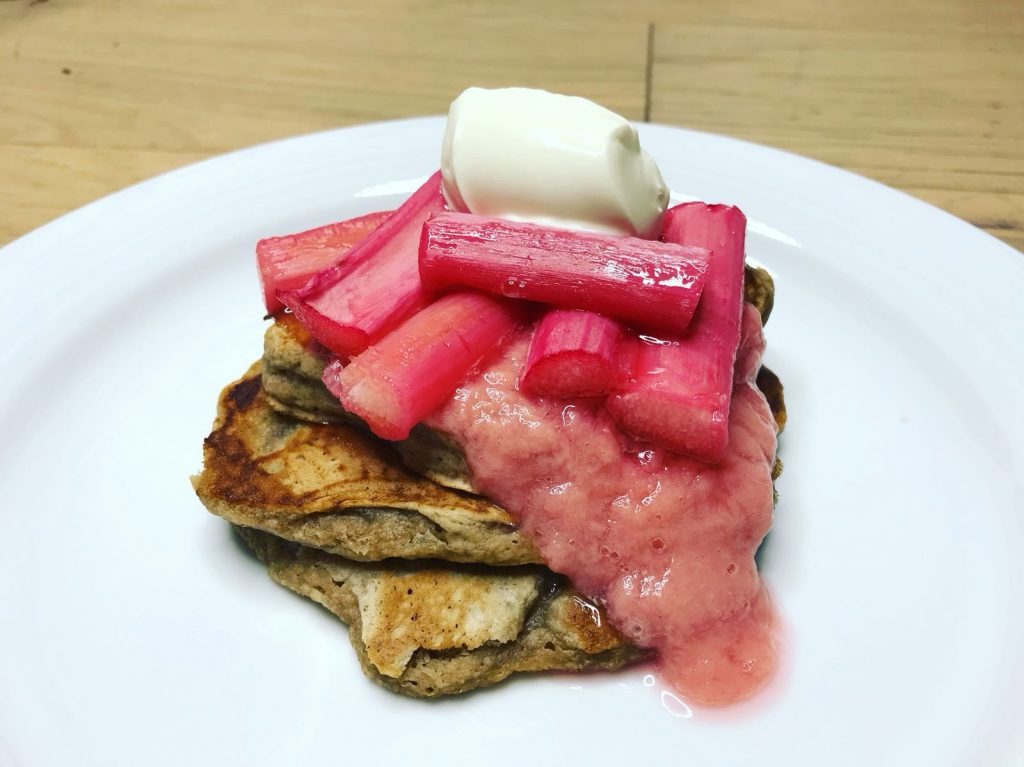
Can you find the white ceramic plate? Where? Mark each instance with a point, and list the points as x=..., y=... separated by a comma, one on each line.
x=133, y=630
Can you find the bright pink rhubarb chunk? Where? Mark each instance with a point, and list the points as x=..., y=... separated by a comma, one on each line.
x=413, y=370
x=650, y=283
x=572, y=354
x=288, y=262
x=677, y=390
x=348, y=306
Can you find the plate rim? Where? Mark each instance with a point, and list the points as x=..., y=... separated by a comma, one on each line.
x=778, y=153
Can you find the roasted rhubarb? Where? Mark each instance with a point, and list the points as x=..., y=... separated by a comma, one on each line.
x=751, y=347
x=572, y=354
x=350, y=305
x=288, y=262
x=650, y=283
x=677, y=390
x=409, y=373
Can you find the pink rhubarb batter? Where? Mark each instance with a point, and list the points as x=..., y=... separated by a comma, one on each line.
x=666, y=542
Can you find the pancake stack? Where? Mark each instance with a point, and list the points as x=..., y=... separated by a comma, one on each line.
x=440, y=591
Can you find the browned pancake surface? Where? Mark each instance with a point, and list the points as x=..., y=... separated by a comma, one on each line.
x=428, y=629
x=340, y=490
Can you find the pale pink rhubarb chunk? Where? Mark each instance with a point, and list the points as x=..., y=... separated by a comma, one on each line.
x=677, y=390
x=751, y=347
x=350, y=305
x=413, y=370
x=650, y=283
x=572, y=354
x=288, y=262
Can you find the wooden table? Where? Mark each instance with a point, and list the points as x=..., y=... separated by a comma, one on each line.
x=925, y=95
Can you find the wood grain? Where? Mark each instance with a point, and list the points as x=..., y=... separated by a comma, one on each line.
x=932, y=104
x=926, y=95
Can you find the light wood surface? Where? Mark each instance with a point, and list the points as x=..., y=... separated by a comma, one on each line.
x=924, y=95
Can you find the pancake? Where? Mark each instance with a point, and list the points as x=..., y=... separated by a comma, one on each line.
x=336, y=488
x=427, y=629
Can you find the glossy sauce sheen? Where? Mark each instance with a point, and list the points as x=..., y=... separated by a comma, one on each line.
x=667, y=542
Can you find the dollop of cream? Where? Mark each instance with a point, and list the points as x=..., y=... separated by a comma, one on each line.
x=530, y=155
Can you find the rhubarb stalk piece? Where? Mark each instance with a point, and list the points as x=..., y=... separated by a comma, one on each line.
x=288, y=262
x=348, y=306
x=677, y=390
x=650, y=283
x=409, y=373
x=572, y=354
x=751, y=346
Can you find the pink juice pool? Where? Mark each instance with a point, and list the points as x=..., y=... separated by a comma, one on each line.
x=666, y=542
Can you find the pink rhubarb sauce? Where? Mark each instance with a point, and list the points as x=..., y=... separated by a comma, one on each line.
x=666, y=542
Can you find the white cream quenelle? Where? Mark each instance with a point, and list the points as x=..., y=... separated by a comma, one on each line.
x=530, y=155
